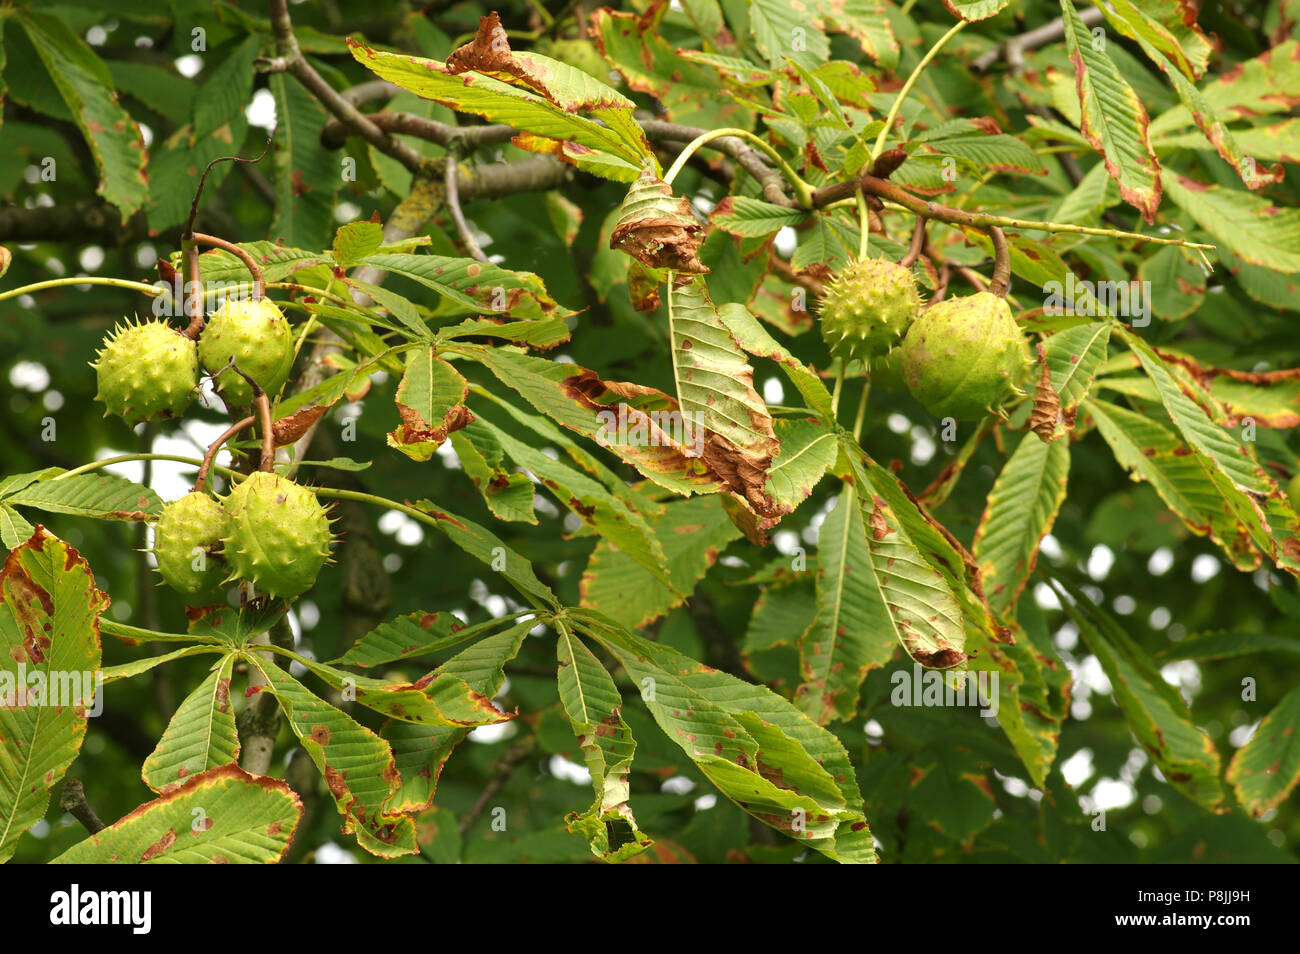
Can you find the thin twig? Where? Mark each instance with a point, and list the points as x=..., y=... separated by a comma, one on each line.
x=1001, y=282
x=73, y=801
x=259, y=283
x=214, y=448
x=918, y=243
x=1014, y=48
x=453, y=206
x=290, y=60
x=195, y=300
x=336, y=131
x=505, y=767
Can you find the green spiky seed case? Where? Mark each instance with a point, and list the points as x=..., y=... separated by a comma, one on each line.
x=277, y=535
x=187, y=526
x=868, y=308
x=254, y=333
x=146, y=371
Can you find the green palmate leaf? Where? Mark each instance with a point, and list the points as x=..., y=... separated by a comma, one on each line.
x=200, y=736
x=86, y=87
x=357, y=765
x=593, y=705
x=578, y=110
x=610, y=516
x=49, y=654
x=1261, y=86
x=641, y=425
x=434, y=699
x=14, y=529
x=956, y=568
x=808, y=449
x=692, y=534
x=923, y=612
x=420, y=751
x=1196, y=428
x=1073, y=356
x=746, y=739
x=482, y=543
x=234, y=627
x=135, y=667
x=431, y=403
x=1154, y=710
x=754, y=338
x=741, y=215
x=990, y=153
x=650, y=64
x=973, y=10
x=1226, y=645
x=223, y=816
x=852, y=632
x=1257, y=231
x=508, y=495
x=226, y=90
x=1266, y=769
x=90, y=495
x=356, y=240
x=1113, y=118
x=417, y=634
x=1162, y=29
x=1033, y=690
x=782, y=30
x=1153, y=452
x=867, y=22
x=540, y=333
x=1132, y=22
x=1022, y=506
x=474, y=286
x=1176, y=281
x=306, y=173
x=715, y=390
x=277, y=261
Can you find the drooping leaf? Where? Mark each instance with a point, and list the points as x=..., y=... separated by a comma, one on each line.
x=1022, y=506
x=593, y=705
x=86, y=86
x=357, y=765
x=691, y=532
x=1154, y=710
x=1114, y=118
x=431, y=403
x=746, y=740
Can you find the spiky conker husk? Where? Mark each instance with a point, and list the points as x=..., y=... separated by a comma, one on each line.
x=146, y=370
x=189, y=532
x=257, y=336
x=964, y=356
x=277, y=535
x=868, y=308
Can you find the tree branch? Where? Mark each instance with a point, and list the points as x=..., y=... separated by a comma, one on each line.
x=1014, y=48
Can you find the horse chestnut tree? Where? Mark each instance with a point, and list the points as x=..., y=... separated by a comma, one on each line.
x=672, y=432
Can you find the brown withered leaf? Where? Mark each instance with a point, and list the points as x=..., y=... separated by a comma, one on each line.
x=1046, y=415
x=288, y=429
x=658, y=229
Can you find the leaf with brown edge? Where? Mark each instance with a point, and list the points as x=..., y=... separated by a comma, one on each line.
x=221, y=816
x=431, y=403
x=1046, y=415
x=657, y=228
x=49, y=624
